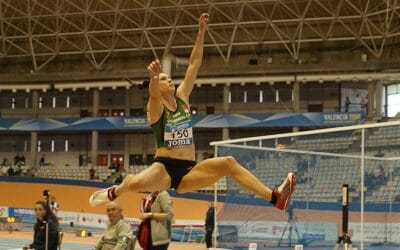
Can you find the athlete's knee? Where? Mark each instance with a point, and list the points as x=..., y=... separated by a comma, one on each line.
x=230, y=164
x=229, y=160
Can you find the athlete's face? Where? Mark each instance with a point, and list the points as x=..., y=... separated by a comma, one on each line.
x=167, y=86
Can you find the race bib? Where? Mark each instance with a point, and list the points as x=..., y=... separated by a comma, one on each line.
x=180, y=134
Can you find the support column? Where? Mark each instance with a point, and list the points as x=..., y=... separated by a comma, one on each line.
x=371, y=99
x=95, y=134
x=145, y=144
x=96, y=102
x=95, y=144
x=296, y=96
x=35, y=104
x=33, y=151
x=225, y=110
x=166, y=65
x=296, y=100
x=126, y=151
x=128, y=93
x=378, y=98
x=34, y=135
x=127, y=136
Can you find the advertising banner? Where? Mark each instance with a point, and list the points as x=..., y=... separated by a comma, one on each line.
x=326, y=119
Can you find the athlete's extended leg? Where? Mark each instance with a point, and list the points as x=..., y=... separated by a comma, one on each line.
x=154, y=178
x=209, y=171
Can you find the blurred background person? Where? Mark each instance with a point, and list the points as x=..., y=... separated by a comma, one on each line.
x=92, y=173
x=209, y=224
x=44, y=216
x=42, y=160
x=118, y=234
x=156, y=215
x=54, y=205
x=119, y=179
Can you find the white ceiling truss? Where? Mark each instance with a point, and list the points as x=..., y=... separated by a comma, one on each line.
x=41, y=31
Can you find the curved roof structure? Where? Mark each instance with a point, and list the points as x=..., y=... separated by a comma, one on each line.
x=38, y=33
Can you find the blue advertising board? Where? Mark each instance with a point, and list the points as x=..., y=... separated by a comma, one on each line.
x=263, y=120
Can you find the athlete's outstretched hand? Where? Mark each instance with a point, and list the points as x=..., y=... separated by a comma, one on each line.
x=203, y=21
x=154, y=69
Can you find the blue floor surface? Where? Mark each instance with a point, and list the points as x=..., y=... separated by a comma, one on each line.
x=6, y=244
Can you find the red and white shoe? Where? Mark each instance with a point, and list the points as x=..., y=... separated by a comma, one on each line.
x=103, y=196
x=284, y=192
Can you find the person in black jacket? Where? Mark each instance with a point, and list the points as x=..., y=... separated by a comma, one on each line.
x=44, y=216
x=209, y=225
